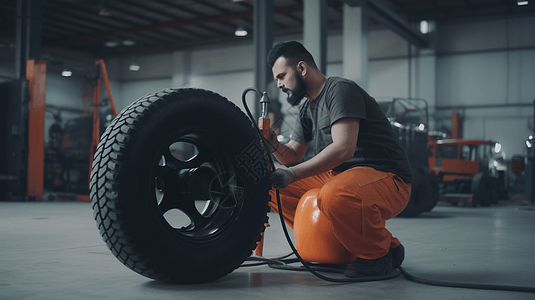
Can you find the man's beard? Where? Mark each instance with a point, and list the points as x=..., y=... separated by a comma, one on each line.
x=298, y=92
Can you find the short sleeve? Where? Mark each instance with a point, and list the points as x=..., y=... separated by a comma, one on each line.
x=302, y=132
x=346, y=100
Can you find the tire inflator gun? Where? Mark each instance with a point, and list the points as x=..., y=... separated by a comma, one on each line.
x=263, y=121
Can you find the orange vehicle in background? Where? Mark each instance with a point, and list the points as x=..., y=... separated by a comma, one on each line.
x=466, y=169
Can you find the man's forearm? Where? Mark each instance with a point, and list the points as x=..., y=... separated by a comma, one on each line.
x=326, y=160
x=285, y=154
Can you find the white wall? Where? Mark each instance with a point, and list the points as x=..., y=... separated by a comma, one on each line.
x=225, y=70
x=474, y=79
x=230, y=85
x=488, y=63
x=135, y=89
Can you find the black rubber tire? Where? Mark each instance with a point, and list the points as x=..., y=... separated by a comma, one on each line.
x=482, y=189
x=420, y=193
x=434, y=195
x=137, y=180
x=498, y=192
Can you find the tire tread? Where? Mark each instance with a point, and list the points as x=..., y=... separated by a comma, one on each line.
x=108, y=209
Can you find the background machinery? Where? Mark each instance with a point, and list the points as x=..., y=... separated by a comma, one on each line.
x=450, y=170
x=466, y=169
x=409, y=118
x=28, y=166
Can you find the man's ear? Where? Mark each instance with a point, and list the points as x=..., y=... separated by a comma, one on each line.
x=302, y=68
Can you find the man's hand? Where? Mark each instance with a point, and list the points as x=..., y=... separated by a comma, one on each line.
x=272, y=141
x=282, y=177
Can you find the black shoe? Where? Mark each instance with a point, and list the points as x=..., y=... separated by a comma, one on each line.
x=398, y=255
x=370, y=267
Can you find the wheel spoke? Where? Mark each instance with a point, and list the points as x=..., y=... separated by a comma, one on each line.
x=168, y=202
x=229, y=191
x=197, y=220
x=184, y=203
x=194, y=162
x=163, y=172
x=201, y=158
x=171, y=161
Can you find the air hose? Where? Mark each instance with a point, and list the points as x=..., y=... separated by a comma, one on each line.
x=283, y=262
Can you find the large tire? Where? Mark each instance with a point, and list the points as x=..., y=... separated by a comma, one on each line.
x=434, y=194
x=483, y=190
x=179, y=186
x=420, y=194
x=499, y=192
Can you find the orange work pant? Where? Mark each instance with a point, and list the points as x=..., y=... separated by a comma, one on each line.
x=357, y=201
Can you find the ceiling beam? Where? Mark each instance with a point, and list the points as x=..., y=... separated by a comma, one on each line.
x=125, y=9
x=185, y=22
x=388, y=18
x=114, y=22
x=146, y=7
x=190, y=11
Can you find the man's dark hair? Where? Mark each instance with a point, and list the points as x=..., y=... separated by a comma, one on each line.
x=293, y=52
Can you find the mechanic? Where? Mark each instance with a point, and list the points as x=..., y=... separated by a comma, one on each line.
x=362, y=172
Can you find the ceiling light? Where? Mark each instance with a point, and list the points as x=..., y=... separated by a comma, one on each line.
x=521, y=2
x=129, y=42
x=427, y=26
x=240, y=32
x=66, y=73
x=111, y=44
x=134, y=67
x=424, y=26
x=104, y=12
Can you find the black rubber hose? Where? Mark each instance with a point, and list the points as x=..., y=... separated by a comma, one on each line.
x=509, y=288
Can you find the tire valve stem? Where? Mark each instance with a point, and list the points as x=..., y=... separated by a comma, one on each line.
x=263, y=121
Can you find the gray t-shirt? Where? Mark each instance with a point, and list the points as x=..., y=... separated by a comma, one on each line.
x=377, y=146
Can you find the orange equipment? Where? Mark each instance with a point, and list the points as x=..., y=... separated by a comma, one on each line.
x=36, y=75
x=457, y=125
x=314, y=236
x=458, y=158
x=456, y=162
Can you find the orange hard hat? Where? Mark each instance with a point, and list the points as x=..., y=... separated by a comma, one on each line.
x=314, y=235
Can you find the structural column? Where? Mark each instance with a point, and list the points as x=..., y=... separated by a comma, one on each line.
x=28, y=46
x=424, y=81
x=263, y=41
x=355, y=44
x=28, y=39
x=181, y=68
x=36, y=73
x=315, y=31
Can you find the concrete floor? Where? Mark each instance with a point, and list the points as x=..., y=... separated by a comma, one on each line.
x=52, y=250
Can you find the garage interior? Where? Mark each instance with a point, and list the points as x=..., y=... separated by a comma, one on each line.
x=455, y=78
